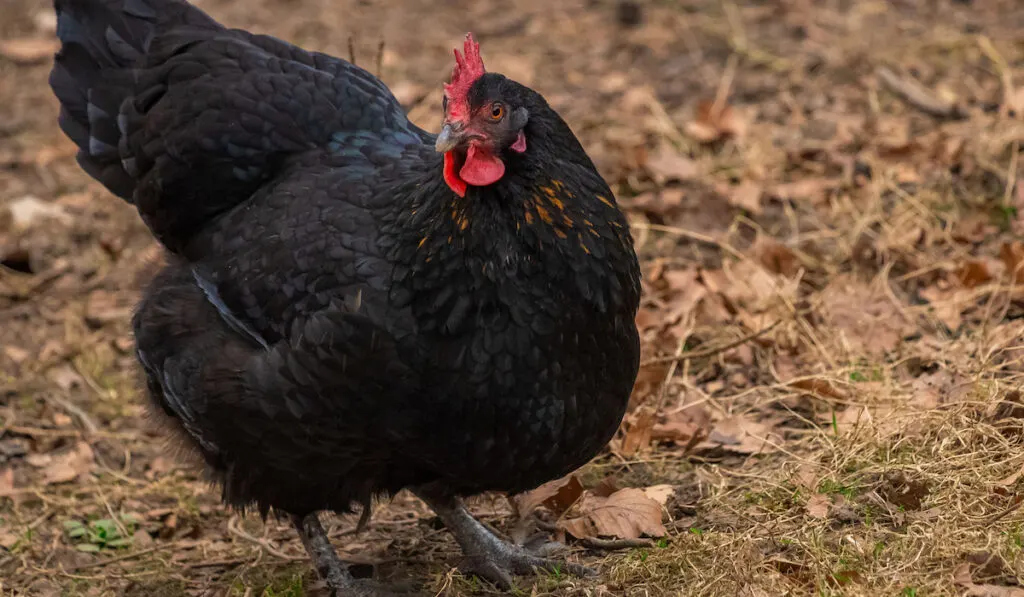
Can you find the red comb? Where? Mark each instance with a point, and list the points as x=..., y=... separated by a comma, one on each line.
x=468, y=68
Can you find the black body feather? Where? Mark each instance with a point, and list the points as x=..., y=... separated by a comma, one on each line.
x=335, y=322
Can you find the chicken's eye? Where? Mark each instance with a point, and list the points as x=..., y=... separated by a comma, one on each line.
x=497, y=112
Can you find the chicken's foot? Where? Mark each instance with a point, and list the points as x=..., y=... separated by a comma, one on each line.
x=332, y=570
x=488, y=556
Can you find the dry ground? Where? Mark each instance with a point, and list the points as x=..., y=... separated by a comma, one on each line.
x=832, y=270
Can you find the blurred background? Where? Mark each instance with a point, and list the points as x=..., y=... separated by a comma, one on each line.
x=825, y=198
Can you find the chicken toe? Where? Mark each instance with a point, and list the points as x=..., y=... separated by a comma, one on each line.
x=487, y=555
x=332, y=570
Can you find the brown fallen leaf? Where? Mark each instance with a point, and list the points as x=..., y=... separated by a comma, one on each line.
x=6, y=481
x=972, y=273
x=660, y=493
x=626, y=514
x=963, y=576
x=713, y=122
x=558, y=496
x=667, y=164
x=69, y=465
x=904, y=491
x=865, y=317
x=818, y=505
x=819, y=386
x=640, y=424
x=947, y=306
x=684, y=427
x=28, y=50
x=743, y=435
x=747, y=196
x=1012, y=256
x=776, y=257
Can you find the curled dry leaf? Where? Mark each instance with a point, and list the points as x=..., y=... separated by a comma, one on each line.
x=972, y=273
x=818, y=505
x=1012, y=256
x=713, y=122
x=683, y=427
x=667, y=164
x=743, y=435
x=626, y=514
x=6, y=481
x=747, y=196
x=819, y=386
x=69, y=465
x=865, y=317
x=640, y=424
x=558, y=496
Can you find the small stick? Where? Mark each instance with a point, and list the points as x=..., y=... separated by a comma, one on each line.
x=707, y=352
x=1017, y=501
x=351, y=50
x=917, y=96
x=613, y=544
x=127, y=556
x=380, y=58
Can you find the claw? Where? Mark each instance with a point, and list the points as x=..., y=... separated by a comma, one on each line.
x=489, y=557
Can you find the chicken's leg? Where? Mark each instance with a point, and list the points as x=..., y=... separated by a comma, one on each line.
x=487, y=555
x=332, y=570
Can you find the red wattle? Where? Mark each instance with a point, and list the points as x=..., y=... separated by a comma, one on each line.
x=457, y=184
x=481, y=168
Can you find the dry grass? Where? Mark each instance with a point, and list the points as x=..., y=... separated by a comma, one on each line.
x=833, y=268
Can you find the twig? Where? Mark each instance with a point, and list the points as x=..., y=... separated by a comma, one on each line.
x=1011, y=174
x=1005, y=76
x=707, y=352
x=380, y=58
x=351, y=50
x=234, y=527
x=1017, y=501
x=127, y=556
x=82, y=416
x=917, y=96
x=612, y=544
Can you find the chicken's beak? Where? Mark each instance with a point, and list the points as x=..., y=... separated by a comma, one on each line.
x=449, y=137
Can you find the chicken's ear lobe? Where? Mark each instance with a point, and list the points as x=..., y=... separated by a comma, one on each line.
x=520, y=116
x=520, y=144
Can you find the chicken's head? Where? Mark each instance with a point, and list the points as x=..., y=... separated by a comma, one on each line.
x=482, y=122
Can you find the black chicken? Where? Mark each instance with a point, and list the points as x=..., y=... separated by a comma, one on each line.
x=354, y=306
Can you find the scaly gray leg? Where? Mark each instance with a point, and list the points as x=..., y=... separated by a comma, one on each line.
x=488, y=556
x=331, y=569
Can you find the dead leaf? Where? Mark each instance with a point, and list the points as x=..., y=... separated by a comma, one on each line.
x=627, y=514
x=667, y=164
x=29, y=210
x=821, y=387
x=558, y=496
x=775, y=256
x=901, y=490
x=972, y=273
x=747, y=196
x=69, y=465
x=638, y=433
x=743, y=435
x=947, y=306
x=865, y=317
x=6, y=481
x=818, y=505
x=684, y=427
x=1012, y=256
x=713, y=122
x=660, y=493
x=807, y=189
x=28, y=50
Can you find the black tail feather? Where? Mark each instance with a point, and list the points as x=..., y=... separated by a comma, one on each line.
x=102, y=42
